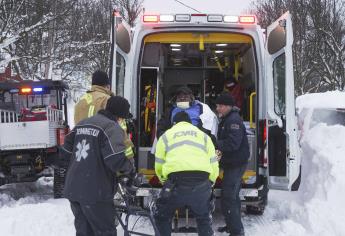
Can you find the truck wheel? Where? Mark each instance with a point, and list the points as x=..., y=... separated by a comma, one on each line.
x=59, y=182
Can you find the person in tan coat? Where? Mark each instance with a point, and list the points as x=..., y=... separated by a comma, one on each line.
x=96, y=99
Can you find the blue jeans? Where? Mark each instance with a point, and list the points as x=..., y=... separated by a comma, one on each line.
x=230, y=199
x=196, y=197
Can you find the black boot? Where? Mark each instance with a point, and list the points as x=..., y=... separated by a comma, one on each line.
x=223, y=229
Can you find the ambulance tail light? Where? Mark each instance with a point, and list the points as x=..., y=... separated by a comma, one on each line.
x=61, y=134
x=263, y=143
x=247, y=19
x=154, y=181
x=151, y=18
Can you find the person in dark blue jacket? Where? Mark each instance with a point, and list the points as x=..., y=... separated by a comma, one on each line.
x=233, y=144
x=95, y=149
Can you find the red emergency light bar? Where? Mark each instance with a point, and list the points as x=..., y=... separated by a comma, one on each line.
x=247, y=19
x=151, y=18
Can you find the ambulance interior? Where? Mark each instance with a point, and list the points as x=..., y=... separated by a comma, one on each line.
x=209, y=64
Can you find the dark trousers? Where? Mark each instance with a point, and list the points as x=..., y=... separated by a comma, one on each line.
x=230, y=199
x=94, y=219
x=194, y=196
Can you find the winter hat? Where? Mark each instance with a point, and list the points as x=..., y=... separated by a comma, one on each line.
x=184, y=90
x=181, y=116
x=225, y=99
x=100, y=78
x=118, y=106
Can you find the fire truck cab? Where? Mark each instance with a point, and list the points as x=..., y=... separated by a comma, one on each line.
x=207, y=52
x=33, y=123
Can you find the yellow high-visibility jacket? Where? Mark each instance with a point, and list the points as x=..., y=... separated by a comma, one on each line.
x=90, y=103
x=184, y=147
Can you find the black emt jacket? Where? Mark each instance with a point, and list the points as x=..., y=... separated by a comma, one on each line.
x=232, y=140
x=95, y=148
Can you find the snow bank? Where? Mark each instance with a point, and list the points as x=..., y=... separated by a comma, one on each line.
x=51, y=217
x=317, y=208
x=322, y=192
x=28, y=209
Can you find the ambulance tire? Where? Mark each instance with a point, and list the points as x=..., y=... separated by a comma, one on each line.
x=59, y=182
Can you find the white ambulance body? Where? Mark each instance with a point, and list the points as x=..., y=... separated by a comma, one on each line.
x=204, y=52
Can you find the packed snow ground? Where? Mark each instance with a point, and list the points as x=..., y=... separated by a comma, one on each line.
x=316, y=209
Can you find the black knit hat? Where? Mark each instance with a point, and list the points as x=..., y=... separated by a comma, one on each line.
x=184, y=90
x=181, y=116
x=100, y=78
x=118, y=106
x=225, y=99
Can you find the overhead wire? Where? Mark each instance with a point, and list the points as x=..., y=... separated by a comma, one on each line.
x=187, y=6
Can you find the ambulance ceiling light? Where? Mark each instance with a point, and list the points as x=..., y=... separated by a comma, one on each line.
x=175, y=45
x=176, y=49
x=221, y=44
x=166, y=18
x=219, y=51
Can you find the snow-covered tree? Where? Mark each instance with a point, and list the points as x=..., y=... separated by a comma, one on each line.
x=319, y=40
x=129, y=9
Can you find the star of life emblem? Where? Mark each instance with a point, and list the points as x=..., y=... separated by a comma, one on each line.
x=82, y=148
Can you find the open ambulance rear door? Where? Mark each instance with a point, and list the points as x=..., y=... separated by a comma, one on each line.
x=284, y=161
x=120, y=48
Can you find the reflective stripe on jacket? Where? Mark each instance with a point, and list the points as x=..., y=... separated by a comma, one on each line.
x=184, y=147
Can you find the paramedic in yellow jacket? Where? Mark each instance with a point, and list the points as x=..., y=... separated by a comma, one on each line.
x=96, y=99
x=187, y=165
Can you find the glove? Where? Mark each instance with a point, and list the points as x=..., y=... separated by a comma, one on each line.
x=138, y=179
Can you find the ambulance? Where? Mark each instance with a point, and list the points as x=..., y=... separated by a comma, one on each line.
x=207, y=52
